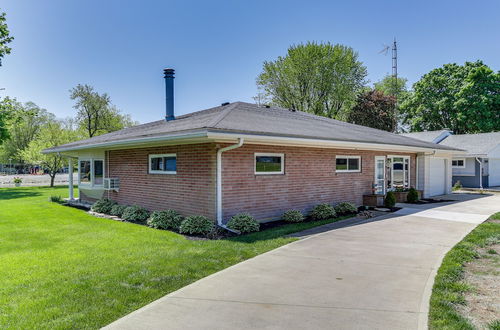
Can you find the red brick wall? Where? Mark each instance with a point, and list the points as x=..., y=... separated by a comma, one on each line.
x=191, y=191
x=309, y=179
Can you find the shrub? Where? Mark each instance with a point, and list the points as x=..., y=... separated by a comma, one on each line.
x=135, y=213
x=323, y=212
x=457, y=186
x=293, y=216
x=56, y=199
x=117, y=210
x=196, y=224
x=390, y=199
x=244, y=223
x=103, y=205
x=346, y=208
x=168, y=219
x=412, y=196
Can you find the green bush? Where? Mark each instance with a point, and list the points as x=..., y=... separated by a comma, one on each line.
x=323, y=212
x=244, y=223
x=168, y=219
x=293, y=216
x=103, y=205
x=345, y=208
x=390, y=199
x=117, y=210
x=56, y=199
x=135, y=213
x=412, y=196
x=457, y=186
x=196, y=224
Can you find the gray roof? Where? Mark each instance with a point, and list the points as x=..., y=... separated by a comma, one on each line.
x=474, y=144
x=241, y=117
x=429, y=136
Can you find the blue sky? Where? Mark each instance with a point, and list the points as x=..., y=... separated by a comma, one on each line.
x=217, y=47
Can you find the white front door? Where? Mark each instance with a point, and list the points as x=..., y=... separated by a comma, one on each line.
x=380, y=175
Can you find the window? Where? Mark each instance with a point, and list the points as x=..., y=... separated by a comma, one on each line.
x=163, y=164
x=91, y=172
x=98, y=172
x=458, y=163
x=269, y=163
x=85, y=171
x=348, y=164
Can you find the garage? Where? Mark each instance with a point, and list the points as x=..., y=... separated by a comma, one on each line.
x=494, y=171
x=437, y=176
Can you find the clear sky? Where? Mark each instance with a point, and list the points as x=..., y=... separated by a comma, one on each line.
x=217, y=47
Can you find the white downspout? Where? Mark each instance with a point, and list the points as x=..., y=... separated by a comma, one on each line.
x=480, y=173
x=219, y=179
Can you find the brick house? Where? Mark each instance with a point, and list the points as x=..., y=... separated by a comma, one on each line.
x=241, y=157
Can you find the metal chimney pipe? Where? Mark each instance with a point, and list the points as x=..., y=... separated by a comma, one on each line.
x=169, y=93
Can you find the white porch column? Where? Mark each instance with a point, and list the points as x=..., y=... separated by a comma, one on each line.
x=70, y=178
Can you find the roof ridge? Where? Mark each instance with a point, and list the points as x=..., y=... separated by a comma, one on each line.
x=223, y=114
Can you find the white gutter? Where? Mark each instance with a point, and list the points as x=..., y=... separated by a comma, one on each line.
x=323, y=143
x=480, y=173
x=219, y=180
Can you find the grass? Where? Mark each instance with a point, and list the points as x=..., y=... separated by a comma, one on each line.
x=62, y=268
x=449, y=287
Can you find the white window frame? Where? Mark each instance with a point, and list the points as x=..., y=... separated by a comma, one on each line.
x=261, y=154
x=458, y=166
x=348, y=170
x=92, y=174
x=392, y=169
x=151, y=171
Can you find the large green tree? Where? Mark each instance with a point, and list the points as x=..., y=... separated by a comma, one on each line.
x=5, y=37
x=463, y=98
x=26, y=121
x=5, y=104
x=95, y=113
x=319, y=78
x=53, y=133
x=374, y=109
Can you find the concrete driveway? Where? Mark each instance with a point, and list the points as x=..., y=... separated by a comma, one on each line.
x=368, y=275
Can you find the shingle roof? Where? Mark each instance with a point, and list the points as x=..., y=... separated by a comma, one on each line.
x=474, y=144
x=241, y=117
x=429, y=136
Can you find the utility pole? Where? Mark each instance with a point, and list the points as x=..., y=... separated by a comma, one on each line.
x=395, y=81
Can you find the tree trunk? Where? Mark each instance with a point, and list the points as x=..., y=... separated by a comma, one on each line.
x=52, y=178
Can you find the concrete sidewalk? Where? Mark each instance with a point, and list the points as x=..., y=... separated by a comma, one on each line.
x=373, y=275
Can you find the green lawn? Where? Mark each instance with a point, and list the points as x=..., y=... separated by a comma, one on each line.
x=62, y=268
x=449, y=286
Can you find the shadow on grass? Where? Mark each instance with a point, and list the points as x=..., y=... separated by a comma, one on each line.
x=14, y=193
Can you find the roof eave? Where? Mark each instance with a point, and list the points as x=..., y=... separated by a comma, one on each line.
x=130, y=142
x=223, y=136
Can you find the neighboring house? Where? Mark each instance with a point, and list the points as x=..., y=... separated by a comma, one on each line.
x=482, y=156
x=240, y=157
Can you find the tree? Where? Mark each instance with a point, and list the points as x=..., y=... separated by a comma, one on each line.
x=390, y=86
x=53, y=133
x=7, y=108
x=5, y=38
x=463, y=98
x=96, y=115
x=323, y=79
x=25, y=123
x=374, y=109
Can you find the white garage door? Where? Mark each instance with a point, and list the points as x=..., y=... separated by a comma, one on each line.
x=437, y=176
x=494, y=170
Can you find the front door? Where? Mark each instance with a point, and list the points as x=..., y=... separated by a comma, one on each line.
x=380, y=175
